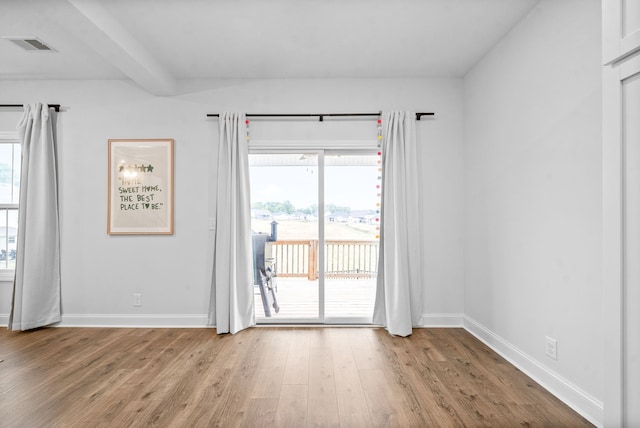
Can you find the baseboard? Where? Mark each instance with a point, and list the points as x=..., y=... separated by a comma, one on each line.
x=440, y=320
x=194, y=321
x=134, y=321
x=580, y=401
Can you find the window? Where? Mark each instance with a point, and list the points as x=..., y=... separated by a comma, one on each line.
x=9, y=198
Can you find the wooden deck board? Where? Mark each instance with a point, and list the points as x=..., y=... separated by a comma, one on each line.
x=298, y=298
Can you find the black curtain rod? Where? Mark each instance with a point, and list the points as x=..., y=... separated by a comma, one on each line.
x=320, y=116
x=55, y=106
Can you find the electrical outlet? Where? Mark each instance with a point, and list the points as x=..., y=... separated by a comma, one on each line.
x=551, y=348
x=137, y=299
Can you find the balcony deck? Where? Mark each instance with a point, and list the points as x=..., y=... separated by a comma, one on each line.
x=298, y=300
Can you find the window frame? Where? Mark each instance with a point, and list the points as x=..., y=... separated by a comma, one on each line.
x=11, y=137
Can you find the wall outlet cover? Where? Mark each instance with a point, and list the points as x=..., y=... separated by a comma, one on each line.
x=551, y=348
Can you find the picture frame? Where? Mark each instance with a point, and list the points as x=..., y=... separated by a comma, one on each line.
x=140, y=194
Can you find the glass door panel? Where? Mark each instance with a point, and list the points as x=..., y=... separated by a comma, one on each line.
x=351, y=226
x=284, y=222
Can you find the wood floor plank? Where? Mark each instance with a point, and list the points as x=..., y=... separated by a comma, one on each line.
x=382, y=396
x=27, y=364
x=181, y=381
x=467, y=384
x=143, y=383
x=353, y=409
x=228, y=391
x=323, y=400
x=292, y=406
x=85, y=406
x=261, y=413
x=271, y=377
x=272, y=363
x=425, y=402
x=366, y=349
x=215, y=388
x=423, y=391
x=528, y=415
x=297, y=368
x=50, y=384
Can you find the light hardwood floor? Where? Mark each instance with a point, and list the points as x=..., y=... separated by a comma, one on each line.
x=265, y=377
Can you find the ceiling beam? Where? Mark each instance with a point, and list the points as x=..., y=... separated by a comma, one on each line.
x=104, y=34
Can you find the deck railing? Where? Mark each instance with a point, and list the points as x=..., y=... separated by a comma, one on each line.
x=343, y=259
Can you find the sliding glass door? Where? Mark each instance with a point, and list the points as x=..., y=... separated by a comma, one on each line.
x=351, y=229
x=314, y=223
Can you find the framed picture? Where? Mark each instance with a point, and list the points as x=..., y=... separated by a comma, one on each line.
x=140, y=197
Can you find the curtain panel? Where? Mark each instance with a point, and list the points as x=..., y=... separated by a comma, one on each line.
x=36, y=287
x=400, y=267
x=232, y=308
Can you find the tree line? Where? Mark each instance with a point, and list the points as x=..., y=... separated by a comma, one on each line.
x=288, y=208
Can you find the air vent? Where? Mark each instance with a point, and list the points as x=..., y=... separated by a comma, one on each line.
x=30, y=43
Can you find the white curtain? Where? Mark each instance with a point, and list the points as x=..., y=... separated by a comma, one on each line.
x=231, y=308
x=36, y=287
x=400, y=267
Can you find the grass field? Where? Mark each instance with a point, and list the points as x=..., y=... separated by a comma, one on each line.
x=296, y=229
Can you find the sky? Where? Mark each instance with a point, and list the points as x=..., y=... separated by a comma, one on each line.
x=348, y=186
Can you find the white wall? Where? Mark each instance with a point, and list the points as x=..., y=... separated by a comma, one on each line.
x=533, y=127
x=100, y=273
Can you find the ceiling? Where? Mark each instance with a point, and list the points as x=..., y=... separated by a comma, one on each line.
x=156, y=43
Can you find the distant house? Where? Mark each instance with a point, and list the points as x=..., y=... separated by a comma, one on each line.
x=338, y=217
x=283, y=216
x=362, y=216
x=7, y=242
x=261, y=214
x=299, y=215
